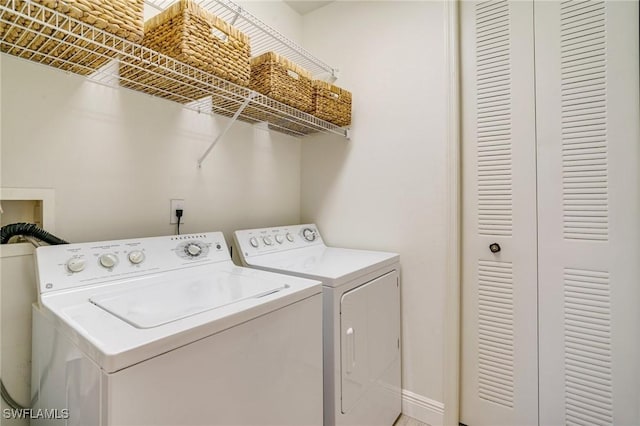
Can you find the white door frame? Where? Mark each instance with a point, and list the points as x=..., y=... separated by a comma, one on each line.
x=451, y=338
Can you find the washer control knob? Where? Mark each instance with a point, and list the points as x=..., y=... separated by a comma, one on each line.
x=193, y=250
x=76, y=264
x=108, y=260
x=254, y=242
x=136, y=257
x=267, y=240
x=309, y=234
x=290, y=237
x=279, y=239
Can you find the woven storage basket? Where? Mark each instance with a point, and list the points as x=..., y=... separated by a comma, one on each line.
x=190, y=34
x=123, y=18
x=331, y=103
x=282, y=80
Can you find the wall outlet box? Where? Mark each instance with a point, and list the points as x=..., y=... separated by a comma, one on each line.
x=175, y=205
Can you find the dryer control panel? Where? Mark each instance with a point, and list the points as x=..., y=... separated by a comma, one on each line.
x=253, y=242
x=73, y=265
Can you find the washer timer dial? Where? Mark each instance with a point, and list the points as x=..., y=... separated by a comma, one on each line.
x=193, y=249
x=309, y=234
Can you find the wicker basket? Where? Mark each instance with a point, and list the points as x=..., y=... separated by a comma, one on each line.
x=282, y=80
x=123, y=18
x=331, y=103
x=189, y=34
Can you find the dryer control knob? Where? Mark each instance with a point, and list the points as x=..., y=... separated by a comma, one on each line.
x=193, y=250
x=267, y=240
x=254, y=242
x=108, y=260
x=279, y=239
x=136, y=257
x=309, y=234
x=76, y=264
x=290, y=237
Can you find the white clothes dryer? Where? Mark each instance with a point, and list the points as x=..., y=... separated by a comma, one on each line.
x=168, y=331
x=361, y=317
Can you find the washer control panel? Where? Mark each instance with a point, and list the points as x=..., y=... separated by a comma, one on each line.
x=254, y=242
x=73, y=265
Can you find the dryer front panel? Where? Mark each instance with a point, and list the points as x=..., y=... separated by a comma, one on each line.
x=370, y=348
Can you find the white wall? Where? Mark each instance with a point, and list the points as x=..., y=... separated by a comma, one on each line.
x=115, y=158
x=386, y=188
x=277, y=15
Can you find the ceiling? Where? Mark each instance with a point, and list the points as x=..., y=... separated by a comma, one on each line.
x=303, y=6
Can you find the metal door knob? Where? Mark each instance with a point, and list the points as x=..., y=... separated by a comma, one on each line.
x=494, y=247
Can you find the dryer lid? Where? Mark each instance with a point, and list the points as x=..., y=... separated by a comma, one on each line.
x=332, y=265
x=167, y=301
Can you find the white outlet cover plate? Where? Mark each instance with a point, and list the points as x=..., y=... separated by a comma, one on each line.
x=176, y=204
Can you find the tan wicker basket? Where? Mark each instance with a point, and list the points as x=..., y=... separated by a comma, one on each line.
x=189, y=34
x=331, y=103
x=196, y=37
x=282, y=80
x=123, y=18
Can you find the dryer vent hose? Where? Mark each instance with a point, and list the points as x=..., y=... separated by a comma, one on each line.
x=28, y=229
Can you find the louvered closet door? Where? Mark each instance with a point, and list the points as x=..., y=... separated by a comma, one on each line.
x=499, y=324
x=588, y=193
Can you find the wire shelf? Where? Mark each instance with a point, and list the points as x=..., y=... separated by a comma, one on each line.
x=36, y=33
x=263, y=38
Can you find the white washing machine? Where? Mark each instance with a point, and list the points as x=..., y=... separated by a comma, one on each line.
x=168, y=331
x=361, y=317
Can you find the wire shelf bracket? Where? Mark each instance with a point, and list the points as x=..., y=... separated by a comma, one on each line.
x=226, y=128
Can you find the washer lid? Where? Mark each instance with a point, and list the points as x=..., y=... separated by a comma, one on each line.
x=167, y=301
x=111, y=334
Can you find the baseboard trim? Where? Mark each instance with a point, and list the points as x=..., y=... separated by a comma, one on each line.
x=422, y=409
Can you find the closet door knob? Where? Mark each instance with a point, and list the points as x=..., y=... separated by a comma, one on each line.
x=494, y=247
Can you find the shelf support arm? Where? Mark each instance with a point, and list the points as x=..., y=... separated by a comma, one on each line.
x=226, y=128
x=236, y=15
